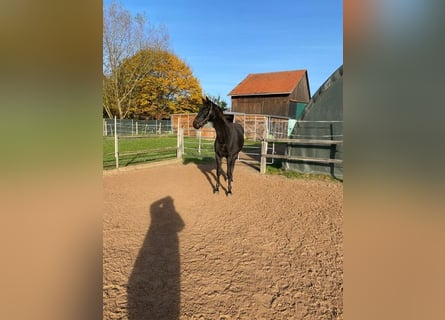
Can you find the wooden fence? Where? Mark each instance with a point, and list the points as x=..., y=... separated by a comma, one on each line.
x=255, y=125
x=270, y=142
x=265, y=155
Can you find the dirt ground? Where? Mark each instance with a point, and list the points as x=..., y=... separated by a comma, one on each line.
x=174, y=250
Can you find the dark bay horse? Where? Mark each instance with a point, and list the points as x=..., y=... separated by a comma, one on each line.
x=229, y=138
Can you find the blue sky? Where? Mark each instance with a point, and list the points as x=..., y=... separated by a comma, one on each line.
x=224, y=41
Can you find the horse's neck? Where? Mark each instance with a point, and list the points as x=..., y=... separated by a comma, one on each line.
x=221, y=126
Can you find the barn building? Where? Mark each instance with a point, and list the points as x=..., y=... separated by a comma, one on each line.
x=284, y=93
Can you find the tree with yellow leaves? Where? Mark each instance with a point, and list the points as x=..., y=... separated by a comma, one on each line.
x=167, y=87
x=124, y=35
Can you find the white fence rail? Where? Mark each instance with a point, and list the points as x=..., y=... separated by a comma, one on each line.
x=200, y=142
x=127, y=129
x=131, y=127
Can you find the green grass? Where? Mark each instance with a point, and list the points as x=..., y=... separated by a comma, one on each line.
x=252, y=143
x=147, y=149
x=140, y=143
x=276, y=169
x=138, y=150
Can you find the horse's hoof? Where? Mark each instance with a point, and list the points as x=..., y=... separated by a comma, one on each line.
x=215, y=191
x=229, y=193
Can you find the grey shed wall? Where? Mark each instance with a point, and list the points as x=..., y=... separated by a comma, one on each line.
x=325, y=105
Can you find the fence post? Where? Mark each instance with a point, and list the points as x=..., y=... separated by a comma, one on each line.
x=199, y=141
x=137, y=129
x=116, y=144
x=254, y=130
x=179, y=124
x=263, y=158
x=179, y=143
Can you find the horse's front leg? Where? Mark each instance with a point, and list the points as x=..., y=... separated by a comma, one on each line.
x=218, y=172
x=230, y=166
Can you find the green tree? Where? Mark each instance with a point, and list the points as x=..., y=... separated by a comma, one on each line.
x=219, y=101
x=167, y=87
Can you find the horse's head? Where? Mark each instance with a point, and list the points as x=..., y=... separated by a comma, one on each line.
x=205, y=114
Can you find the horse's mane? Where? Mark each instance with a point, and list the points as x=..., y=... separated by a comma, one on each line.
x=217, y=108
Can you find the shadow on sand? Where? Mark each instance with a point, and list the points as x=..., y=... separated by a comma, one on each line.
x=154, y=285
x=208, y=168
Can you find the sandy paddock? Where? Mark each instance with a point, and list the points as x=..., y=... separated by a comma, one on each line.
x=174, y=250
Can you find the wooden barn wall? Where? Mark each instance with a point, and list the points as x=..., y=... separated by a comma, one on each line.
x=301, y=92
x=277, y=105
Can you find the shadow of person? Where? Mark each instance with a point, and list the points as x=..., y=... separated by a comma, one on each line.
x=154, y=285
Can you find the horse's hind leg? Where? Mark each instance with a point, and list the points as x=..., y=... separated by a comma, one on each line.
x=218, y=173
x=230, y=167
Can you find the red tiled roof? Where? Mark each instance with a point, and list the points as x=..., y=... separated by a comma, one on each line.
x=268, y=83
